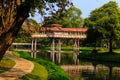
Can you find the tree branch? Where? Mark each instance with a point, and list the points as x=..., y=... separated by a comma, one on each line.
x=2, y=15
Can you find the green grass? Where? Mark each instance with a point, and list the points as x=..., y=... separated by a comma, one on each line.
x=6, y=64
x=54, y=71
x=117, y=51
x=21, y=54
x=39, y=73
x=102, y=55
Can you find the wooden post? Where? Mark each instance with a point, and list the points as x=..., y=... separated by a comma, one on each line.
x=57, y=46
x=59, y=51
x=78, y=49
x=32, y=48
x=78, y=45
x=53, y=50
x=75, y=50
x=35, y=46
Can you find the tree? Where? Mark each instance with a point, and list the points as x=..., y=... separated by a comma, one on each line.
x=73, y=18
x=68, y=18
x=29, y=27
x=106, y=21
x=14, y=12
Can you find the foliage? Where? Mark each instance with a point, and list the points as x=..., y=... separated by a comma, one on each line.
x=21, y=54
x=23, y=36
x=93, y=36
x=30, y=22
x=73, y=18
x=54, y=71
x=104, y=23
x=69, y=18
x=29, y=26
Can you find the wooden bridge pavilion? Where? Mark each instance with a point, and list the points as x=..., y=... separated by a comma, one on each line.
x=56, y=33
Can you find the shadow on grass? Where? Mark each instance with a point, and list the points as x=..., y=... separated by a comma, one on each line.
x=30, y=77
x=3, y=69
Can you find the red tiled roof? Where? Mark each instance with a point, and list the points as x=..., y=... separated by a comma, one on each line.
x=58, y=29
x=56, y=25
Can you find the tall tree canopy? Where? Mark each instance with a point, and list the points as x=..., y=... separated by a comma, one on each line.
x=73, y=17
x=68, y=18
x=105, y=21
x=14, y=12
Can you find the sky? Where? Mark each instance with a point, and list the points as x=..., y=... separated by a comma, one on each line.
x=86, y=6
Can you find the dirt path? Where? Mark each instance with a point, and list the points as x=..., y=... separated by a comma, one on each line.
x=21, y=68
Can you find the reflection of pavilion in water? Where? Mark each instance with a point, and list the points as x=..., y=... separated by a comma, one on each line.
x=56, y=33
x=90, y=72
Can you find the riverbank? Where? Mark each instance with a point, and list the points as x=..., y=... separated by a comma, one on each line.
x=54, y=72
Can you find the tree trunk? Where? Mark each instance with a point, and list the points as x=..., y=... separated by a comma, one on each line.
x=110, y=46
x=5, y=42
x=7, y=38
x=11, y=29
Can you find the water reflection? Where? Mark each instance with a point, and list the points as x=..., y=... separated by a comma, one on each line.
x=87, y=70
x=93, y=71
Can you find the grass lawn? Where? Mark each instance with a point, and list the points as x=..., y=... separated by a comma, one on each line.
x=117, y=51
x=6, y=64
x=39, y=73
x=101, y=55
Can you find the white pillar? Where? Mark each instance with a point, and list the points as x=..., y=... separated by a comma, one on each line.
x=35, y=46
x=75, y=51
x=32, y=48
x=53, y=50
x=78, y=49
x=59, y=51
x=78, y=45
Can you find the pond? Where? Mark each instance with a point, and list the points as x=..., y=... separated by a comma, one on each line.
x=92, y=70
x=88, y=70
